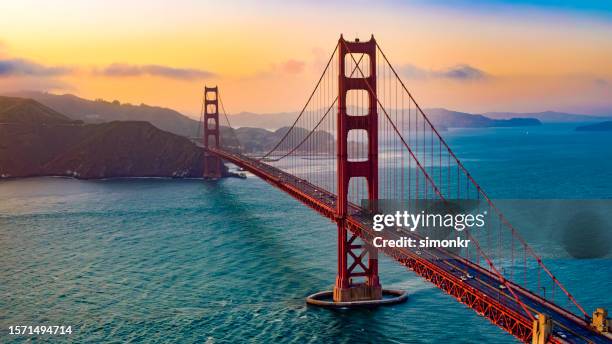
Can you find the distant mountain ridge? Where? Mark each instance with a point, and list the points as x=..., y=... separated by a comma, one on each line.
x=99, y=111
x=441, y=118
x=456, y=119
x=270, y=121
x=109, y=139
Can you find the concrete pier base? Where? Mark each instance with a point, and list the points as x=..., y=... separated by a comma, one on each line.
x=359, y=292
x=326, y=299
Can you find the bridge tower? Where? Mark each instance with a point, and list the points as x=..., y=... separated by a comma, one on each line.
x=212, y=164
x=356, y=280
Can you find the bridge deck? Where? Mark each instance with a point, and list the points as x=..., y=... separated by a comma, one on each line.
x=481, y=293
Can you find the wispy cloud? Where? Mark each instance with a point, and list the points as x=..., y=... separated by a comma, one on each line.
x=23, y=67
x=461, y=72
x=600, y=82
x=33, y=83
x=125, y=70
x=281, y=69
x=293, y=66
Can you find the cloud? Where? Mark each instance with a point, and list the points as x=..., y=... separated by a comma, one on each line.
x=411, y=71
x=601, y=82
x=125, y=70
x=464, y=72
x=35, y=84
x=461, y=72
x=293, y=66
x=23, y=67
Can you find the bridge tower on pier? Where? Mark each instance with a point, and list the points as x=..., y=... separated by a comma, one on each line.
x=357, y=280
x=212, y=164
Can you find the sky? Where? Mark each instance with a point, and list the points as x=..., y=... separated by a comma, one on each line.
x=265, y=56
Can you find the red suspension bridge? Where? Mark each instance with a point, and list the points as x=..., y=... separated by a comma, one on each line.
x=362, y=136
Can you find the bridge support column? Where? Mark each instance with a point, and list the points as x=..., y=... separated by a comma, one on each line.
x=542, y=327
x=347, y=289
x=357, y=282
x=357, y=277
x=212, y=164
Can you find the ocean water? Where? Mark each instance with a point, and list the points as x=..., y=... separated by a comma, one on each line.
x=154, y=260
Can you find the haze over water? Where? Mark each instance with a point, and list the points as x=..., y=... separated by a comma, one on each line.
x=185, y=261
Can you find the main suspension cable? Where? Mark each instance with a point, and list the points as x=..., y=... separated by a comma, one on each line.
x=228, y=123
x=305, y=105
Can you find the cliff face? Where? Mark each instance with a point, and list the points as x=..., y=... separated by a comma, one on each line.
x=38, y=142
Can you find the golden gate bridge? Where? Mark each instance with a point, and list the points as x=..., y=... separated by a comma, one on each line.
x=362, y=123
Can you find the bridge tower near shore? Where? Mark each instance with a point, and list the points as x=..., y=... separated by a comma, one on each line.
x=212, y=164
x=356, y=280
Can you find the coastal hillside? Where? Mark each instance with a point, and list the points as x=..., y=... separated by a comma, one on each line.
x=37, y=141
x=99, y=111
x=20, y=110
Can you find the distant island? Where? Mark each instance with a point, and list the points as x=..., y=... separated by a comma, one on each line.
x=456, y=119
x=548, y=116
x=601, y=126
x=36, y=140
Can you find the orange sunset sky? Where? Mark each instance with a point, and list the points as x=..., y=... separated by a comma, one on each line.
x=266, y=56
